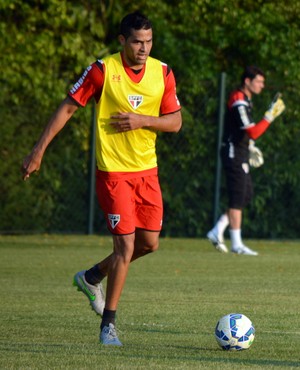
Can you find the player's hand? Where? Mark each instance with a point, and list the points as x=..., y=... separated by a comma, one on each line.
x=126, y=121
x=256, y=158
x=30, y=164
x=276, y=108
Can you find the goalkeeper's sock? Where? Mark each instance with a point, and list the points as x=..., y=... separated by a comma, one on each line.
x=109, y=317
x=94, y=276
x=236, y=238
x=221, y=225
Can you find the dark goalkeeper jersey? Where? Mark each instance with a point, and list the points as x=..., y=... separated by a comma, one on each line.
x=239, y=127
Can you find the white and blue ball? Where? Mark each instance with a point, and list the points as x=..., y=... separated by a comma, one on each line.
x=234, y=332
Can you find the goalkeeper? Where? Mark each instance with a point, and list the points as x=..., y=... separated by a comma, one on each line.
x=238, y=151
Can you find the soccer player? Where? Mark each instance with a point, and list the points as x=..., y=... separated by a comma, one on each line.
x=136, y=97
x=239, y=132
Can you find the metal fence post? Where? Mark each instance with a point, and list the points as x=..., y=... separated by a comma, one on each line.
x=92, y=173
x=222, y=89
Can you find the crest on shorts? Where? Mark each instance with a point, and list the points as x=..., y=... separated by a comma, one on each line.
x=135, y=100
x=245, y=167
x=113, y=220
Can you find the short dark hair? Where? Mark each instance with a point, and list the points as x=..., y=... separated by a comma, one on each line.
x=251, y=72
x=136, y=21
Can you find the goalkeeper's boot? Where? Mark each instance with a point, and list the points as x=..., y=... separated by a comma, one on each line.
x=108, y=336
x=217, y=241
x=244, y=250
x=94, y=293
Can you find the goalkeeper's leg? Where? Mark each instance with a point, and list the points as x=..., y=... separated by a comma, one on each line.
x=216, y=234
x=240, y=192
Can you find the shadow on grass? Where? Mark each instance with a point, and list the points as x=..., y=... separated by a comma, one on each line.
x=130, y=352
x=202, y=358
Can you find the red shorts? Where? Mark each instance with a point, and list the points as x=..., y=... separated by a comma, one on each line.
x=130, y=201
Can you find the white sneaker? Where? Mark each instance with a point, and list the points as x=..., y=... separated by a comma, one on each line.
x=244, y=250
x=93, y=292
x=108, y=336
x=218, y=243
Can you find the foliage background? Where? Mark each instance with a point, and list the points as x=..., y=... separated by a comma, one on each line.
x=45, y=46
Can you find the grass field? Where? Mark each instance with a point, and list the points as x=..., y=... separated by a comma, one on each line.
x=168, y=310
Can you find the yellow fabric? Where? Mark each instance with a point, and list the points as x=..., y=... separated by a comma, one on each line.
x=134, y=150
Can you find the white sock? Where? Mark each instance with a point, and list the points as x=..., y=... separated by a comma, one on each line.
x=236, y=238
x=221, y=225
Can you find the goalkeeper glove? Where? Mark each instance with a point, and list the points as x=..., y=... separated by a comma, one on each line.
x=276, y=108
x=256, y=158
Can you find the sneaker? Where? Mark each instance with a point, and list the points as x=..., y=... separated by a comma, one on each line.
x=244, y=250
x=108, y=336
x=218, y=243
x=93, y=292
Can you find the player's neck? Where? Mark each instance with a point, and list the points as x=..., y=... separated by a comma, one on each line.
x=136, y=75
x=137, y=68
x=247, y=92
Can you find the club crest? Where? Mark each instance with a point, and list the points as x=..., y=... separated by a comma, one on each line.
x=135, y=100
x=245, y=167
x=113, y=220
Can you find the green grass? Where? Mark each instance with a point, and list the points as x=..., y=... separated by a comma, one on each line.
x=167, y=313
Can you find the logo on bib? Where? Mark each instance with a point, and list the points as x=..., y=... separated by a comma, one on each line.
x=113, y=220
x=135, y=100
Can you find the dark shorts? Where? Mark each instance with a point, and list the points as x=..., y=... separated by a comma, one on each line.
x=239, y=183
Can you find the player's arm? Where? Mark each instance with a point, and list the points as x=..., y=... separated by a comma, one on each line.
x=257, y=130
x=32, y=162
x=89, y=85
x=167, y=123
x=131, y=121
x=276, y=108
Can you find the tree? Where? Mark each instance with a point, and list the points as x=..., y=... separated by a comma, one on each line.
x=45, y=47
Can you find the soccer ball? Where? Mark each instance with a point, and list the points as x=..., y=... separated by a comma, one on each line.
x=234, y=332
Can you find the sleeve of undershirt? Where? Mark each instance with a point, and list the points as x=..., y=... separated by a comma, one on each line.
x=89, y=85
x=170, y=102
x=257, y=130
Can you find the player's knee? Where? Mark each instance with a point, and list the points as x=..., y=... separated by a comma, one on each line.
x=151, y=248
x=154, y=247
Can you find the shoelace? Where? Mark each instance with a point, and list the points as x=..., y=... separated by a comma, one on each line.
x=111, y=332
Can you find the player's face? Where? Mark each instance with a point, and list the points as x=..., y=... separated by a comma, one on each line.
x=256, y=85
x=137, y=47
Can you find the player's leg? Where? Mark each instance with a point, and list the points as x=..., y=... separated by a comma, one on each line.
x=147, y=218
x=235, y=218
x=147, y=221
x=127, y=248
x=235, y=221
x=240, y=192
x=216, y=234
x=115, y=267
x=143, y=212
x=145, y=242
x=117, y=271
x=115, y=200
x=149, y=214
x=118, y=268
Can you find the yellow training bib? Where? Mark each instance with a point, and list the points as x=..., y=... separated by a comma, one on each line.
x=134, y=150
